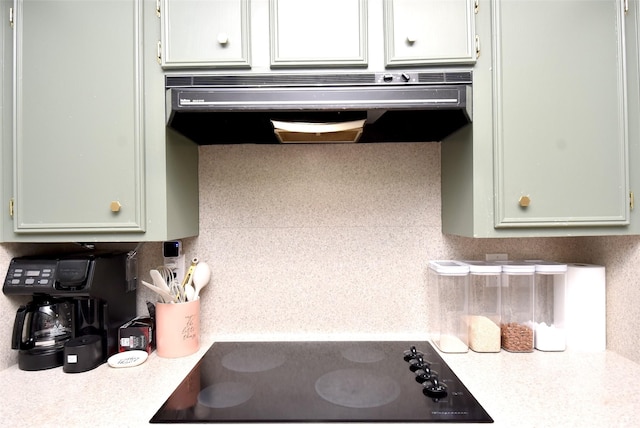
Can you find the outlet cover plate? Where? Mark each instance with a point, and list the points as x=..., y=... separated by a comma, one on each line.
x=496, y=257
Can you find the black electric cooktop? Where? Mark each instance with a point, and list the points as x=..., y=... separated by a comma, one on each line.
x=321, y=382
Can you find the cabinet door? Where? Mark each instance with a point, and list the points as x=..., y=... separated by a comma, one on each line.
x=419, y=32
x=6, y=128
x=78, y=160
x=318, y=33
x=205, y=33
x=560, y=114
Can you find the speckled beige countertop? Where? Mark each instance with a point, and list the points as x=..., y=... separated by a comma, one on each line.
x=537, y=389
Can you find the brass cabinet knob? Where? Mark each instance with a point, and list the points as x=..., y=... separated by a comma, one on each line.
x=115, y=206
x=524, y=201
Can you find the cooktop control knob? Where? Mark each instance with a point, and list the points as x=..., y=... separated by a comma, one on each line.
x=433, y=388
x=424, y=374
x=417, y=363
x=412, y=354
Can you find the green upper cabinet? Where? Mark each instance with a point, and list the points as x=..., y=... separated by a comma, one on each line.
x=419, y=32
x=262, y=35
x=78, y=133
x=560, y=134
x=6, y=126
x=318, y=33
x=549, y=150
x=205, y=33
x=92, y=160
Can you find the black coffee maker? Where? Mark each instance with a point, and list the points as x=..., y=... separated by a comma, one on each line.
x=78, y=300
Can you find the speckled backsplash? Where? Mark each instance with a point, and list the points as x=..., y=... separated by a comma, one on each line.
x=319, y=241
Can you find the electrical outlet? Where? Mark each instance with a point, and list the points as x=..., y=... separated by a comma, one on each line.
x=496, y=257
x=177, y=266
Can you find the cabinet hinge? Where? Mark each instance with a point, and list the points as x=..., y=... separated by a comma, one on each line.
x=631, y=200
x=159, y=53
x=476, y=6
x=158, y=7
x=477, y=46
x=11, y=17
x=11, y=207
x=625, y=3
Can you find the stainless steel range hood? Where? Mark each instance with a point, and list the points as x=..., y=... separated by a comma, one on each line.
x=395, y=107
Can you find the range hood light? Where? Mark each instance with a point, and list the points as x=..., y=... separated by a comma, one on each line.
x=328, y=132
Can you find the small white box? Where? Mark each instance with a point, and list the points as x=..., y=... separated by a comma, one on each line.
x=585, y=308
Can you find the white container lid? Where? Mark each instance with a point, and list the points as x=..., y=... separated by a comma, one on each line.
x=478, y=266
x=449, y=267
x=548, y=267
x=517, y=267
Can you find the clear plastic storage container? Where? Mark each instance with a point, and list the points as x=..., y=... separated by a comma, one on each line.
x=449, y=286
x=548, y=311
x=484, y=306
x=516, y=328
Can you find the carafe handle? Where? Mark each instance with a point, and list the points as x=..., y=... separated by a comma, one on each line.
x=18, y=326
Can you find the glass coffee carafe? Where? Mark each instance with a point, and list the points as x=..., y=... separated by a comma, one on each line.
x=41, y=329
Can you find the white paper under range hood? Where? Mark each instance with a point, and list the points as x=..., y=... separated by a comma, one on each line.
x=313, y=132
x=394, y=107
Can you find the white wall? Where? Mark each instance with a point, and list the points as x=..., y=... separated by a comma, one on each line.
x=321, y=241
x=621, y=256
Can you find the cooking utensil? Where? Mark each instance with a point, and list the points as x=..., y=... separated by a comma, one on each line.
x=201, y=277
x=189, y=292
x=164, y=294
x=187, y=278
x=158, y=280
x=172, y=285
x=166, y=273
x=177, y=290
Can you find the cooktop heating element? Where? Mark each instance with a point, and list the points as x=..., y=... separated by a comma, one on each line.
x=321, y=382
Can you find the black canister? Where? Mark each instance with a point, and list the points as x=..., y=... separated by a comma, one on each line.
x=82, y=354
